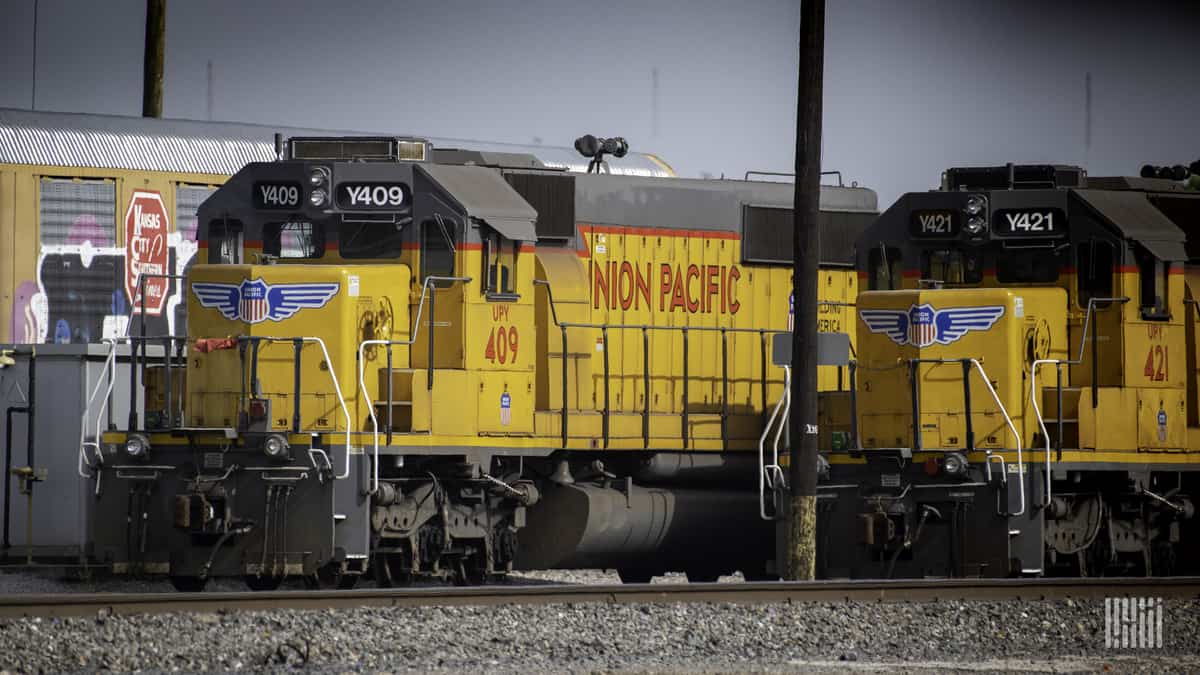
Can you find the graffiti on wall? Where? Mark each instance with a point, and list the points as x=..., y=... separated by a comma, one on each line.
x=82, y=292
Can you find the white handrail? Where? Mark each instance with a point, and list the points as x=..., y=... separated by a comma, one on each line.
x=337, y=388
x=412, y=338
x=111, y=364
x=762, y=440
x=1013, y=429
x=1037, y=410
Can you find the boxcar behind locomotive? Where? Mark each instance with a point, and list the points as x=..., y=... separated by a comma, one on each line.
x=412, y=360
x=1024, y=397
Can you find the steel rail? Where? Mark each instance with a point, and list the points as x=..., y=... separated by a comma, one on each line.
x=902, y=590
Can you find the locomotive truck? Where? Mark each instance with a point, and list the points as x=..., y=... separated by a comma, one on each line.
x=404, y=360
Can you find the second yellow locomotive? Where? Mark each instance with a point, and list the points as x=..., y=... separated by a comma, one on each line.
x=1025, y=385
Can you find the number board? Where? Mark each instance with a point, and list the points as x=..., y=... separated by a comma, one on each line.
x=1044, y=222
x=935, y=223
x=277, y=195
x=374, y=196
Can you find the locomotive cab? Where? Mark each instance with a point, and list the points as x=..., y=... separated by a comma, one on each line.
x=1015, y=333
x=343, y=289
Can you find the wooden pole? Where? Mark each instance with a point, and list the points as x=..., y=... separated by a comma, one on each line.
x=802, y=423
x=152, y=72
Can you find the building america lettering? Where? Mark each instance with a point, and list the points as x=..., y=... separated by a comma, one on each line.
x=695, y=289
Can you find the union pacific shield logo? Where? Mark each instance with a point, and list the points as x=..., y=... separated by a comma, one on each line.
x=922, y=325
x=255, y=301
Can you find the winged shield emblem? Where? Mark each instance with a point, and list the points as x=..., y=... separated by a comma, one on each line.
x=255, y=301
x=923, y=325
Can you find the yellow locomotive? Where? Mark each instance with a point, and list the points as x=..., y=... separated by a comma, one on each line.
x=1024, y=397
x=409, y=360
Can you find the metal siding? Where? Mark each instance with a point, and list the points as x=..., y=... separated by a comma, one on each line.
x=189, y=146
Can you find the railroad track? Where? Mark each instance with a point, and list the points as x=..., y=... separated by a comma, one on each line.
x=85, y=604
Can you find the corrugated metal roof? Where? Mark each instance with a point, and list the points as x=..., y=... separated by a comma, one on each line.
x=146, y=144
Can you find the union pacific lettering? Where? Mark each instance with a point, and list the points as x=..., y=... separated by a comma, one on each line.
x=695, y=289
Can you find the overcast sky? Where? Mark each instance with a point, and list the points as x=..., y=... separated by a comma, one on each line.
x=910, y=87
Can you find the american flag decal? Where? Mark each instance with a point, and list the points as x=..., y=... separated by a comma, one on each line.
x=923, y=325
x=255, y=301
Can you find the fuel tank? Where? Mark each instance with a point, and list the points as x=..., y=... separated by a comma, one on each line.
x=660, y=528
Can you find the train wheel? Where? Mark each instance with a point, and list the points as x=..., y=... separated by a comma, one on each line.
x=469, y=574
x=389, y=573
x=702, y=577
x=634, y=576
x=263, y=582
x=189, y=584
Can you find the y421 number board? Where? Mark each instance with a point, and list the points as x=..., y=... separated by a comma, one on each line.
x=1042, y=222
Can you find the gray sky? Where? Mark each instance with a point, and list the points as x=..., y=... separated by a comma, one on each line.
x=911, y=87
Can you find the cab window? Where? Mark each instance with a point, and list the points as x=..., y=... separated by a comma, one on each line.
x=952, y=266
x=499, y=264
x=370, y=240
x=883, y=264
x=1093, y=270
x=224, y=242
x=1027, y=266
x=1152, y=275
x=295, y=239
x=437, y=248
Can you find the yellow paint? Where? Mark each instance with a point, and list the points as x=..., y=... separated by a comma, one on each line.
x=498, y=360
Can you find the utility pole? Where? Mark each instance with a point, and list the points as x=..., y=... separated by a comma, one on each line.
x=33, y=89
x=152, y=71
x=1087, y=120
x=210, y=90
x=654, y=102
x=802, y=423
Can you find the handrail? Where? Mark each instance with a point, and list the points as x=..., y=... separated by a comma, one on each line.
x=645, y=328
x=763, y=467
x=1037, y=412
x=337, y=388
x=412, y=338
x=914, y=369
x=1013, y=429
x=110, y=367
x=1036, y=366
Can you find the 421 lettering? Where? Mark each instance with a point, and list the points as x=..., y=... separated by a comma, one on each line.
x=502, y=345
x=1156, y=369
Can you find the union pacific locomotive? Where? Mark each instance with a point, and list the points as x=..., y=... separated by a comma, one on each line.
x=403, y=360
x=1023, y=397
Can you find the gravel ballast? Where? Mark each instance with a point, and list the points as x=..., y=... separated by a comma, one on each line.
x=1044, y=636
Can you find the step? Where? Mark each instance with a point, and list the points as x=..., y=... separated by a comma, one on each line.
x=1070, y=397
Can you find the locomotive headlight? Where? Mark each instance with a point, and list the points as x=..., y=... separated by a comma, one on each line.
x=137, y=446
x=318, y=176
x=275, y=446
x=317, y=197
x=954, y=464
x=975, y=225
x=975, y=205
